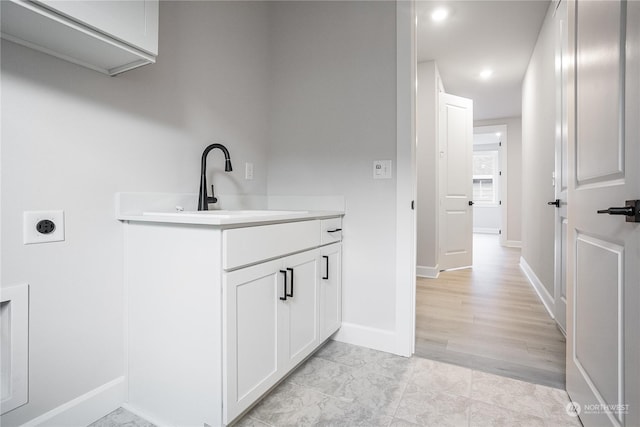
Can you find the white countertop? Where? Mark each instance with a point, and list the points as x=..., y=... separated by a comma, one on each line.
x=228, y=217
x=237, y=211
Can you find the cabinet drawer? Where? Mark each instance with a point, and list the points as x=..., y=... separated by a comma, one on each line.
x=327, y=225
x=243, y=246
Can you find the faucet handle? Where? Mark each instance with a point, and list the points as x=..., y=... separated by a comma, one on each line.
x=212, y=198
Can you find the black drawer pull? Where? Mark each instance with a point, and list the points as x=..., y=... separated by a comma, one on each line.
x=335, y=230
x=285, y=285
x=291, y=294
x=326, y=274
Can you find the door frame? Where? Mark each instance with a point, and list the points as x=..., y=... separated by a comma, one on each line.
x=503, y=180
x=406, y=179
x=561, y=164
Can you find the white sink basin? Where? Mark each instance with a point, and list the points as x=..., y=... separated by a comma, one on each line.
x=226, y=213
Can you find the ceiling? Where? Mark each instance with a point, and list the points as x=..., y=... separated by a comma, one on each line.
x=479, y=34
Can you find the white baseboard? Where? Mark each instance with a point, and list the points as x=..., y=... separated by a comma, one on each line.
x=377, y=339
x=144, y=415
x=543, y=294
x=85, y=409
x=429, y=272
x=513, y=244
x=486, y=230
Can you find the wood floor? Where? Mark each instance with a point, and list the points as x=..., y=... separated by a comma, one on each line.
x=489, y=318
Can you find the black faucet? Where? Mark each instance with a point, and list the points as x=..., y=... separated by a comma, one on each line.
x=203, y=198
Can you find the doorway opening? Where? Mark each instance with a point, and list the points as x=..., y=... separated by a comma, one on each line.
x=489, y=174
x=489, y=318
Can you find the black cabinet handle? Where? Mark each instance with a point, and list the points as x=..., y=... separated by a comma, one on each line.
x=291, y=294
x=471, y=203
x=555, y=203
x=335, y=230
x=284, y=273
x=326, y=274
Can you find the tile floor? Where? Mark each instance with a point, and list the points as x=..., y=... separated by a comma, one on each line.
x=346, y=385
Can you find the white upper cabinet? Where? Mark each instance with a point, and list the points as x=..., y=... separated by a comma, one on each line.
x=134, y=22
x=106, y=36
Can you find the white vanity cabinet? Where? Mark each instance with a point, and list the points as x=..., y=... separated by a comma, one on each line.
x=217, y=315
x=106, y=36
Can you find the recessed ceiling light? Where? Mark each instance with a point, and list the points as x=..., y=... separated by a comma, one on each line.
x=439, y=14
x=486, y=73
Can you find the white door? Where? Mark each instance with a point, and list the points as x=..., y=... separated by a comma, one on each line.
x=299, y=312
x=603, y=255
x=560, y=176
x=330, y=290
x=455, y=130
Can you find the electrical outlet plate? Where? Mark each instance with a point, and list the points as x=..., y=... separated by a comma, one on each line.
x=382, y=169
x=248, y=171
x=31, y=220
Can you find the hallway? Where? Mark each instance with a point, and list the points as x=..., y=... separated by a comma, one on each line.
x=489, y=318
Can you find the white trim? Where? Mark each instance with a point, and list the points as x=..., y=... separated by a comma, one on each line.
x=144, y=415
x=481, y=230
x=503, y=179
x=403, y=338
x=428, y=272
x=15, y=317
x=377, y=339
x=464, y=267
x=513, y=244
x=543, y=294
x=85, y=409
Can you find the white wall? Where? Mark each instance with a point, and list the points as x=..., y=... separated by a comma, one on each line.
x=72, y=137
x=486, y=219
x=429, y=86
x=333, y=111
x=538, y=154
x=514, y=174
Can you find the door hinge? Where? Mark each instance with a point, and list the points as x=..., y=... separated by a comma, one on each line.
x=500, y=202
x=413, y=204
x=500, y=144
x=500, y=173
x=499, y=231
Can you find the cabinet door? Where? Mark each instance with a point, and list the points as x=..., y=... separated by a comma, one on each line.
x=250, y=334
x=299, y=313
x=330, y=290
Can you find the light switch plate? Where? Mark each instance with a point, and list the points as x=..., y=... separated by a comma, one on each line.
x=382, y=169
x=248, y=171
x=30, y=226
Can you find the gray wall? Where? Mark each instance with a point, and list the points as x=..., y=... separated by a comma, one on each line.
x=429, y=86
x=538, y=154
x=304, y=90
x=514, y=174
x=72, y=137
x=333, y=111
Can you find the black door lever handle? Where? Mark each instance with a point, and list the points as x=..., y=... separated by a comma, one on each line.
x=627, y=210
x=556, y=203
x=631, y=211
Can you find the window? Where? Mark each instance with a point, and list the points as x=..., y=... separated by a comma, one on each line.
x=485, y=177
